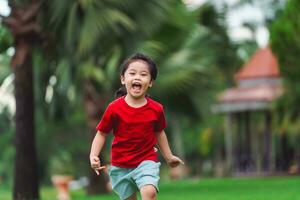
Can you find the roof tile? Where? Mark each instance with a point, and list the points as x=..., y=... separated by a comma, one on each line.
x=262, y=64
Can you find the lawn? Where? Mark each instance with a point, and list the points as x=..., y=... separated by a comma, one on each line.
x=279, y=188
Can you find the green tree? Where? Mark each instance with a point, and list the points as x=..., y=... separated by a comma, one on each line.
x=286, y=45
x=6, y=41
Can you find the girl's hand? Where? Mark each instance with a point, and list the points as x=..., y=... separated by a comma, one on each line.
x=95, y=164
x=174, y=161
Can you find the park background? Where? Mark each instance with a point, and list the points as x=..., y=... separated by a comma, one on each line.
x=59, y=68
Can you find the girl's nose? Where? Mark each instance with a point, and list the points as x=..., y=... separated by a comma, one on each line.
x=137, y=77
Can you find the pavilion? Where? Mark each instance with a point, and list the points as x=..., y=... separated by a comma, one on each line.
x=258, y=85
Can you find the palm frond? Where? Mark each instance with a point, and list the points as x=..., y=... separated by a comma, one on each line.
x=58, y=10
x=125, y=5
x=98, y=22
x=152, y=47
x=112, y=64
x=178, y=82
x=72, y=25
x=150, y=16
x=64, y=76
x=91, y=71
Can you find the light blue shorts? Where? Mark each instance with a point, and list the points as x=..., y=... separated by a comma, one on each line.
x=126, y=181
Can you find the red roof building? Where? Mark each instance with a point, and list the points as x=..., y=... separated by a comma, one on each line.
x=258, y=84
x=262, y=64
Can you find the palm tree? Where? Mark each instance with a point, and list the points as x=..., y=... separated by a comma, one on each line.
x=25, y=30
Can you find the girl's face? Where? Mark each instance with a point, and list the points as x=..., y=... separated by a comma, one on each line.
x=137, y=79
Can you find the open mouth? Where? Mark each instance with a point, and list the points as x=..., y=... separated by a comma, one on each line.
x=137, y=86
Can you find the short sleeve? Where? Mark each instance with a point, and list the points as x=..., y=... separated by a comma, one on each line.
x=161, y=121
x=106, y=123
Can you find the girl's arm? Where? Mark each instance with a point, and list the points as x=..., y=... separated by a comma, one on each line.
x=97, y=145
x=173, y=161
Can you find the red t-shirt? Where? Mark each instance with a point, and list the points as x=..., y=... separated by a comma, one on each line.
x=134, y=131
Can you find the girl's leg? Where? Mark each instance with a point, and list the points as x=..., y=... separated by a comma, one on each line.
x=132, y=197
x=148, y=192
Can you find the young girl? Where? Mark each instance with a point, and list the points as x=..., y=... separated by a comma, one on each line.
x=138, y=124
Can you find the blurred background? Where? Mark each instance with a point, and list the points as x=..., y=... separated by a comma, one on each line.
x=229, y=79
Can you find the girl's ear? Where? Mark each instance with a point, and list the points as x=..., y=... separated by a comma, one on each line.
x=122, y=80
x=151, y=83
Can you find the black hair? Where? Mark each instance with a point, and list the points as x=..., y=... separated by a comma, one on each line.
x=135, y=57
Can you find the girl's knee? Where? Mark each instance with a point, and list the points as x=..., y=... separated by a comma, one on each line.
x=148, y=192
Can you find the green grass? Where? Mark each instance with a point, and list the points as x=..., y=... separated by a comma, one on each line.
x=279, y=188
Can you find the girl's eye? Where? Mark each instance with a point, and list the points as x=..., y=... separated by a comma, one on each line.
x=144, y=74
x=131, y=73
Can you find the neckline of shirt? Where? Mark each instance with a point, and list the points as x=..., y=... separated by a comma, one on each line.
x=135, y=108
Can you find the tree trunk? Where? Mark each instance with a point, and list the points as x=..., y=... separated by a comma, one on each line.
x=177, y=142
x=177, y=138
x=26, y=170
x=94, y=107
x=25, y=30
x=98, y=184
